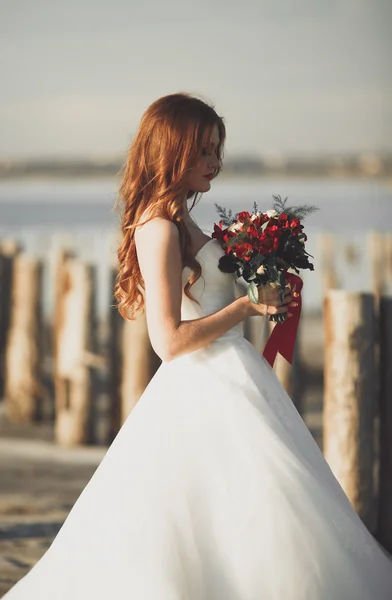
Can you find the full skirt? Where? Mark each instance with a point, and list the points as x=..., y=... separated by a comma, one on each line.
x=213, y=489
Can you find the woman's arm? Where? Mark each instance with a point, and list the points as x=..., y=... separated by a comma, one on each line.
x=159, y=256
x=196, y=333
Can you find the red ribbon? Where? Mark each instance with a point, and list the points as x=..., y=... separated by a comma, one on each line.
x=282, y=338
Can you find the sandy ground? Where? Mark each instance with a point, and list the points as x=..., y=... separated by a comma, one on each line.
x=39, y=481
x=39, y=484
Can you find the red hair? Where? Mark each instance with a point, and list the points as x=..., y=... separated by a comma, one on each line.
x=167, y=145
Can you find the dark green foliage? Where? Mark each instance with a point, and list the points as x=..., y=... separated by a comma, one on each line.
x=226, y=217
x=297, y=212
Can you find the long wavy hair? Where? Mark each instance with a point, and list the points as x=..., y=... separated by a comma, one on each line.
x=167, y=145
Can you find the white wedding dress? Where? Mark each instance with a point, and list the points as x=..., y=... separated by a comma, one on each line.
x=213, y=489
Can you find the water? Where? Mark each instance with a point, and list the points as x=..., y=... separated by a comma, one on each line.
x=45, y=214
x=86, y=203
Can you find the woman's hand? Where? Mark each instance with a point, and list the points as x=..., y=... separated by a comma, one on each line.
x=270, y=303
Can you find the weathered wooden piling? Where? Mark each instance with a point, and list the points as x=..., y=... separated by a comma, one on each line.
x=24, y=388
x=326, y=251
x=349, y=396
x=378, y=274
x=75, y=340
x=290, y=375
x=384, y=529
x=388, y=262
x=139, y=363
x=9, y=249
x=114, y=361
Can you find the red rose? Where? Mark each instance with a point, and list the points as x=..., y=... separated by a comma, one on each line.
x=242, y=249
x=285, y=224
x=265, y=243
x=252, y=232
x=242, y=216
x=218, y=233
x=260, y=220
x=227, y=235
x=295, y=223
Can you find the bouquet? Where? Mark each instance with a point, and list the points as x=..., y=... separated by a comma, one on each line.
x=262, y=247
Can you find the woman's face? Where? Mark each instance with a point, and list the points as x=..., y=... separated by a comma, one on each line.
x=201, y=175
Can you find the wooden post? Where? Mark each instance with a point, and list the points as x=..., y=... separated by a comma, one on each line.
x=139, y=363
x=75, y=341
x=290, y=375
x=327, y=252
x=384, y=533
x=349, y=396
x=24, y=388
x=9, y=249
x=388, y=261
x=378, y=272
x=114, y=360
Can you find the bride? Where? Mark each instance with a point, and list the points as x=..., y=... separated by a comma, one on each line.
x=213, y=489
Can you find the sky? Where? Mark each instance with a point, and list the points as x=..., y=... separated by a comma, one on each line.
x=289, y=77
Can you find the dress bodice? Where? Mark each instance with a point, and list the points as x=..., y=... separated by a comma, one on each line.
x=214, y=290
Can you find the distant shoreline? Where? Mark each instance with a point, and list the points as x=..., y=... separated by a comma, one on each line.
x=348, y=166
x=50, y=176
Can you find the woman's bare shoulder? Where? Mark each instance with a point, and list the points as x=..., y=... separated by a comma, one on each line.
x=157, y=246
x=156, y=231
